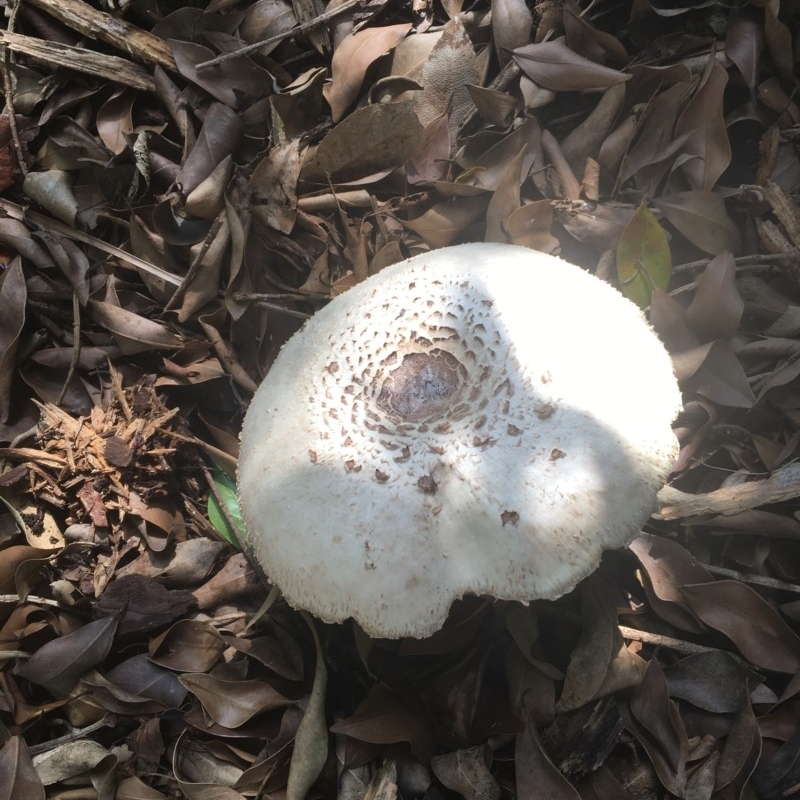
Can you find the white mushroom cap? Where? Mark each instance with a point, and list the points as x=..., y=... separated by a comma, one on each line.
x=483, y=419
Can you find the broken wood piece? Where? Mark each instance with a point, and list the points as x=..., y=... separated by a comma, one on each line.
x=782, y=485
x=94, y=24
x=109, y=68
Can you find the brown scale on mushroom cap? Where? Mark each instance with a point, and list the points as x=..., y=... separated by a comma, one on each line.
x=483, y=419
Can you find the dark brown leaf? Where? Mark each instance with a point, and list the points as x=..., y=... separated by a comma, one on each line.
x=188, y=646
x=756, y=629
x=465, y=772
x=352, y=58
x=18, y=778
x=59, y=664
x=716, y=308
x=13, y=297
x=232, y=703
x=553, y=65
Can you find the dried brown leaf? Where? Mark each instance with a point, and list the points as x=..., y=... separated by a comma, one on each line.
x=740, y=752
x=13, y=300
x=133, y=333
x=668, y=318
x=714, y=371
x=367, y=144
x=232, y=703
x=273, y=187
x=352, y=58
x=703, y=124
x=52, y=190
x=553, y=65
x=134, y=788
x=497, y=108
x=668, y=566
x=655, y=143
x=311, y=740
x=236, y=83
x=431, y=159
x=703, y=219
x=444, y=222
x=59, y=664
x=18, y=778
x=384, y=717
x=716, y=308
x=599, y=643
x=140, y=677
x=714, y=681
x=757, y=630
x=465, y=772
x=188, y=646
x=115, y=121
x=264, y=19
x=744, y=42
x=536, y=777
x=511, y=26
x=585, y=140
x=450, y=67
x=505, y=199
x=654, y=720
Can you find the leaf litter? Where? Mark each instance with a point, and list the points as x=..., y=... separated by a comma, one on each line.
x=182, y=187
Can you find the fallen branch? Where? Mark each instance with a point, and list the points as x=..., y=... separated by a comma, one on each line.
x=99, y=25
x=109, y=68
x=782, y=485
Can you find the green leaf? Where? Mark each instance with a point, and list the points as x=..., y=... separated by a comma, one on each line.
x=644, y=260
x=226, y=490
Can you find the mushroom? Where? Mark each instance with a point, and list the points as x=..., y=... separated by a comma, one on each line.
x=481, y=419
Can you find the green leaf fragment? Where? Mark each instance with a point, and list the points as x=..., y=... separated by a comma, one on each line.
x=644, y=260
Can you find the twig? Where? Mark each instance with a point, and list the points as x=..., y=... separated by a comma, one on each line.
x=117, y=32
x=669, y=642
x=756, y=580
x=279, y=37
x=756, y=260
x=109, y=68
x=72, y=736
x=261, y=302
x=8, y=86
x=130, y=260
x=42, y=601
x=782, y=485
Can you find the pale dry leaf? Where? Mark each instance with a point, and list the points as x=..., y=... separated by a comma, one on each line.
x=367, y=144
x=52, y=190
x=450, y=67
